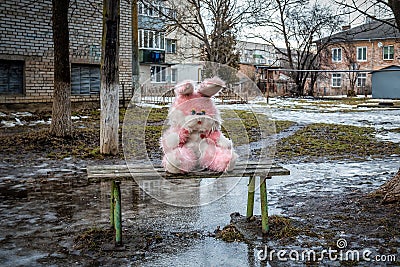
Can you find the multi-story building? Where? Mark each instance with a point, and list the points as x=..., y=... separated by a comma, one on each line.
x=26, y=49
x=261, y=63
x=353, y=53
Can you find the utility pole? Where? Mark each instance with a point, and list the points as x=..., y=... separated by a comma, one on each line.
x=135, y=53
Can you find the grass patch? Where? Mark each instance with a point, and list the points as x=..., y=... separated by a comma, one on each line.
x=334, y=142
x=281, y=227
x=396, y=130
x=93, y=238
x=244, y=127
x=84, y=143
x=230, y=234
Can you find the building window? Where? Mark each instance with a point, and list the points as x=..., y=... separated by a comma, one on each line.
x=174, y=74
x=161, y=74
x=336, y=54
x=158, y=74
x=362, y=53
x=336, y=80
x=171, y=46
x=361, y=79
x=147, y=9
x=11, y=77
x=85, y=79
x=151, y=39
x=388, y=52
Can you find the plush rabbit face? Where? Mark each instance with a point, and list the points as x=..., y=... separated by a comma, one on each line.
x=195, y=110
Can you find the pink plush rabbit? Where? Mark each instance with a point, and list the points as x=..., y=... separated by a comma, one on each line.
x=194, y=140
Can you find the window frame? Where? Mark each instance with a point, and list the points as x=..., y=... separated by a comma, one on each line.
x=20, y=64
x=338, y=55
x=90, y=67
x=361, y=78
x=174, y=77
x=165, y=74
x=153, y=10
x=336, y=82
x=170, y=43
x=149, y=39
x=388, y=54
x=157, y=76
x=363, y=49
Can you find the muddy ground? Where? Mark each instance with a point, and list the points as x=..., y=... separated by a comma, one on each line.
x=51, y=216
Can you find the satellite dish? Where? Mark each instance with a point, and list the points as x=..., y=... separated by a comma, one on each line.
x=380, y=44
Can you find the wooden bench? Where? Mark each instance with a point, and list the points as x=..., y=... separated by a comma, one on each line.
x=117, y=173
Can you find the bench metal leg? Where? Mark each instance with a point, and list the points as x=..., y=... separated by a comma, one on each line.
x=250, y=196
x=264, y=205
x=112, y=205
x=115, y=214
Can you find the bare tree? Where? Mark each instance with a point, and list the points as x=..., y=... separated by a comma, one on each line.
x=378, y=10
x=109, y=101
x=61, y=124
x=214, y=23
x=298, y=24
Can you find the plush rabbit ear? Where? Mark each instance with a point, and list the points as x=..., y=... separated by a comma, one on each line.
x=211, y=86
x=184, y=88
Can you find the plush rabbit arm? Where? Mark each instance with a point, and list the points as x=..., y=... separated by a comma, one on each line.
x=220, y=140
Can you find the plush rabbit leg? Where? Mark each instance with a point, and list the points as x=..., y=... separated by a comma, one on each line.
x=218, y=159
x=179, y=160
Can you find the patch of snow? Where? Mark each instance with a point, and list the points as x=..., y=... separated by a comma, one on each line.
x=33, y=123
x=7, y=124
x=18, y=121
x=147, y=105
x=22, y=114
x=389, y=136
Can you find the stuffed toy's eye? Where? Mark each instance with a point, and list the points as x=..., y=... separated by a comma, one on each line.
x=203, y=112
x=193, y=112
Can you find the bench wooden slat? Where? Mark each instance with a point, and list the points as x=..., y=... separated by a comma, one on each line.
x=158, y=167
x=141, y=171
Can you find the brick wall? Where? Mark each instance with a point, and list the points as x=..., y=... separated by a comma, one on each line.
x=26, y=34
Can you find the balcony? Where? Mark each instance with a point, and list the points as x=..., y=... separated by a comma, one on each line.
x=151, y=56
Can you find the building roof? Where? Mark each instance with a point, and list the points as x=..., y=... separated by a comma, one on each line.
x=375, y=30
x=389, y=68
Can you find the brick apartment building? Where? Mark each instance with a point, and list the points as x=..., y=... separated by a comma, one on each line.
x=360, y=50
x=26, y=50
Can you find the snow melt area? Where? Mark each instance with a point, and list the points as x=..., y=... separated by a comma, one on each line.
x=79, y=117
x=308, y=111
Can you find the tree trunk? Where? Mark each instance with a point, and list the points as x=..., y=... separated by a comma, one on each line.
x=61, y=113
x=135, y=52
x=390, y=190
x=109, y=102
